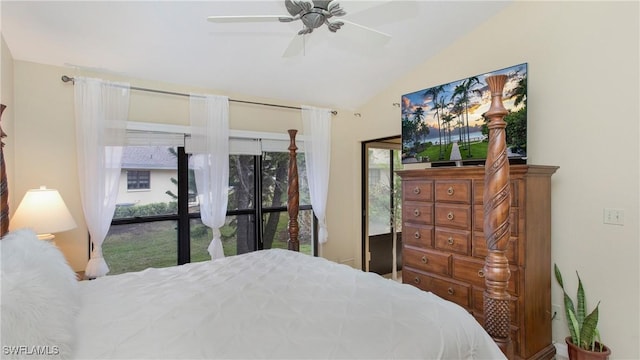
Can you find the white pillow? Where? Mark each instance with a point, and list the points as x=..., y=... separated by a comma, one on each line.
x=39, y=299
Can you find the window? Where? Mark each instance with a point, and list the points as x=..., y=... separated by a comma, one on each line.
x=252, y=225
x=138, y=179
x=144, y=228
x=150, y=229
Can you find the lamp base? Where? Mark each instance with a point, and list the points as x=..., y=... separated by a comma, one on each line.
x=47, y=237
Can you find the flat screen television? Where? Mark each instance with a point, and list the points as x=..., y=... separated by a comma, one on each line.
x=444, y=125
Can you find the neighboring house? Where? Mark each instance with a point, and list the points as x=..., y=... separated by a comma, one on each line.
x=146, y=175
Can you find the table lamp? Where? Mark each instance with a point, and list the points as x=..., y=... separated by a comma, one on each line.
x=43, y=211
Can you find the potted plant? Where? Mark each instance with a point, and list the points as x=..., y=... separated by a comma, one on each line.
x=584, y=342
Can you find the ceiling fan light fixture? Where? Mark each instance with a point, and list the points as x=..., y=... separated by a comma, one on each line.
x=313, y=20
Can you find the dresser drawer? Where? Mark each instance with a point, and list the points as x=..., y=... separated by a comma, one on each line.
x=417, y=235
x=417, y=190
x=458, y=241
x=414, y=212
x=472, y=270
x=427, y=260
x=477, y=299
x=479, y=248
x=451, y=290
x=454, y=216
x=453, y=191
x=478, y=219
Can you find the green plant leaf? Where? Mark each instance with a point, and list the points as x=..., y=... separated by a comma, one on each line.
x=574, y=325
x=588, y=330
x=581, y=310
x=569, y=309
x=558, y=276
x=597, y=338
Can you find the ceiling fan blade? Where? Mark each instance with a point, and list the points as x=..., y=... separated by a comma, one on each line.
x=246, y=18
x=380, y=12
x=363, y=34
x=296, y=46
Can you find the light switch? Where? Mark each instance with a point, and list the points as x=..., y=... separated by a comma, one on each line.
x=614, y=216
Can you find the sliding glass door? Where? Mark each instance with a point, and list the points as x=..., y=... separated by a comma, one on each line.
x=381, y=206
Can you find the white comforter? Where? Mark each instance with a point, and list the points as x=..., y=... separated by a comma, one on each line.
x=273, y=304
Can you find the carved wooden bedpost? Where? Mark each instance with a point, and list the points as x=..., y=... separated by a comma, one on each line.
x=497, y=205
x=4, y=187
x=293, y=202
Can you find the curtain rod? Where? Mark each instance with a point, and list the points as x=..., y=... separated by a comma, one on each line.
x=66, y=78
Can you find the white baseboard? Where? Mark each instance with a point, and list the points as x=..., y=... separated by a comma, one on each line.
x=561, y=351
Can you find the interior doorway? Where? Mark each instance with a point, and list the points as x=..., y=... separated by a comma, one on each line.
x=381, y=207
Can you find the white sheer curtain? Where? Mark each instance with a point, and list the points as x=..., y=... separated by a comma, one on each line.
x=316, y=125
x=210, y=147
x=101, y=111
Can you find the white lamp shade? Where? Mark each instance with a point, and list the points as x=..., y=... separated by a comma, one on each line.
x=43, y=211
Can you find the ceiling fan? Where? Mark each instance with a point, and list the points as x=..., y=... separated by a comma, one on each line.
x=313, y=15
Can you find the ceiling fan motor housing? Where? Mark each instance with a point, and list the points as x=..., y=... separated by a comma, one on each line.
x=314, y=14
x=314, y=18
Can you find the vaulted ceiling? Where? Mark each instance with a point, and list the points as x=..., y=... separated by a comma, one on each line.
x=172, y=41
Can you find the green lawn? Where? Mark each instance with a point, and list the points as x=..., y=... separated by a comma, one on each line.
x=138, y=246
x=478, y=151
x=135, y=247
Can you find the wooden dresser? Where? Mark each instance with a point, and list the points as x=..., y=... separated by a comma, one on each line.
x=444, y=247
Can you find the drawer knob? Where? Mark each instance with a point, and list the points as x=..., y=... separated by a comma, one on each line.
x=424, y=259
x=450, y=215
x=416, y=212
x=416, y=235
x=450, y=240
x=450, y=191
x=450, y=291
x=481, y=273
x=416, y=190
x=416, y=280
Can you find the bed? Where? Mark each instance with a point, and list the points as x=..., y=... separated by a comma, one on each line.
x=271, y=304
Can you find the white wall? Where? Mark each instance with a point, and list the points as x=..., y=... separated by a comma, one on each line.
x=583, y=116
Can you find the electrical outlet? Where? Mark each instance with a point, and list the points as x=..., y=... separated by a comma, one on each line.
x=614, y=216
x=556, y=312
